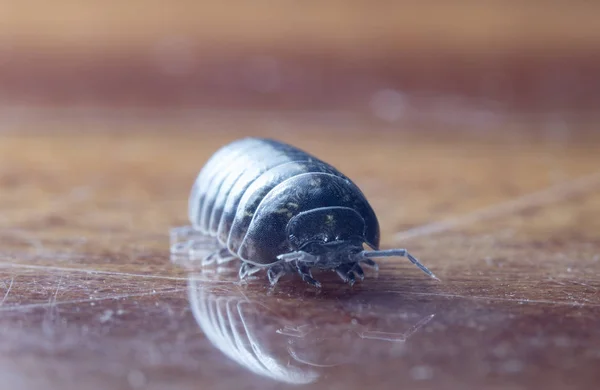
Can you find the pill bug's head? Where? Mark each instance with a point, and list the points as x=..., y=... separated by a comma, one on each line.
x=332, y=235
x=333, y=238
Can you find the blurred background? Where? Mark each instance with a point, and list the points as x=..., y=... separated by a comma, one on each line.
x=470, y=125
x=461, y=64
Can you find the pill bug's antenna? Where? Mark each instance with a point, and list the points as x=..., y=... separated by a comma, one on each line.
x=397, y=252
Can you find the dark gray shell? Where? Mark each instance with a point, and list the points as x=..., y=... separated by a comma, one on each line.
x=250, y=189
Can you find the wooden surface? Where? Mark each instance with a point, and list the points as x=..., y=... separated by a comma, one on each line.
x=471, y=127
x=525, y=55
x=90, y=298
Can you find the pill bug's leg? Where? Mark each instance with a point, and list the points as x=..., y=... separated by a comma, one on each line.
x=370, y=263
x=206, y=260
x=344, y=271
x=298, y=256
x=183, y=233
x=181, y=248
x=186, y=238
x=224, y=256
x=397, y=252
x=193, y=248
x=247, y=269
x=206, y=252
x=304, y=272
x=275, y=272
x=358, y=271
x=243, y=270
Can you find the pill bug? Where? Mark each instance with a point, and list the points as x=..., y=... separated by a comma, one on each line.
x=276, y=207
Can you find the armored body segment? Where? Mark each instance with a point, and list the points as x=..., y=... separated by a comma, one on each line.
x=234, y=225
x=234, y=186
x=216, y=164
x=226, y=175
x=266, y=238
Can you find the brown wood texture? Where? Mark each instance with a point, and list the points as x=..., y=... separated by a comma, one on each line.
x=90, y=298
x=472, y=127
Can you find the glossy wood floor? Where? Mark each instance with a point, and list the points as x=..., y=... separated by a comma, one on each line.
x=508, y=218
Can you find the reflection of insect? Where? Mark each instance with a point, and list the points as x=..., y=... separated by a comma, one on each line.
x=278, y=208
x=293, y=340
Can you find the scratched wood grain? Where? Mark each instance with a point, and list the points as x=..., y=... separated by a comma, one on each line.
x=508, y=221
x=471, y=128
